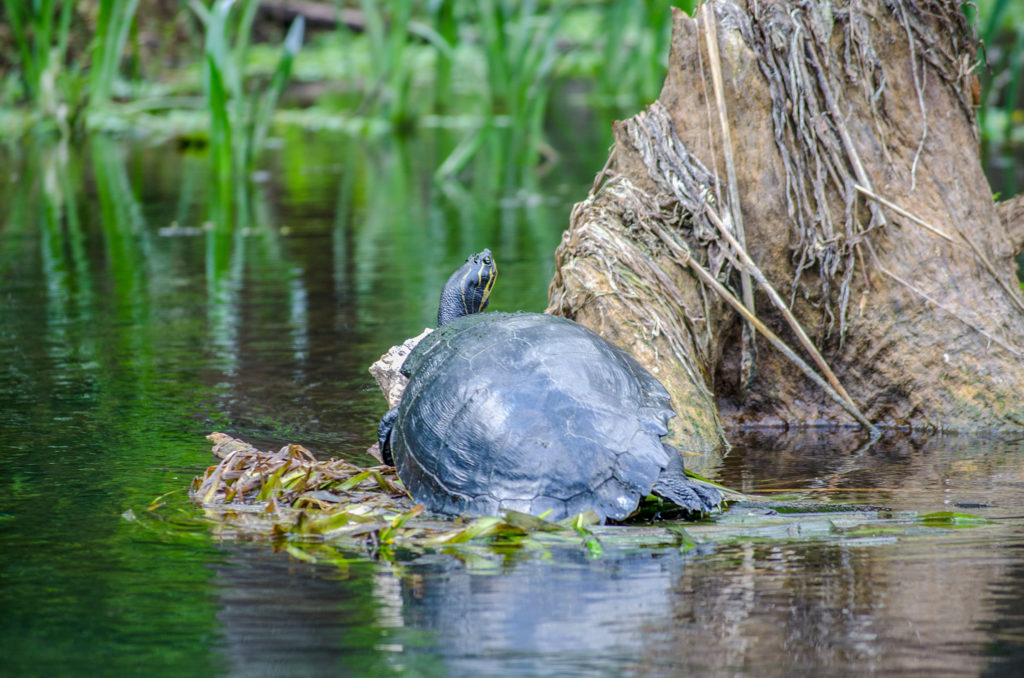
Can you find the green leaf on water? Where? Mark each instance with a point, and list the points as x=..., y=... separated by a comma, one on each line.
x=686, y=541
x=951, y=518
x=481, y=527
x=387, y=535
x=585, y=519
x=356, y=479
x=272, y=483
x=331, y=521
x=530, y=523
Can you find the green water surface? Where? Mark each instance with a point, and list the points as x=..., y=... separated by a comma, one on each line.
x=141, y=309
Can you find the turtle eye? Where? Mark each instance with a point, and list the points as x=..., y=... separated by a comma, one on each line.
x=487, y=261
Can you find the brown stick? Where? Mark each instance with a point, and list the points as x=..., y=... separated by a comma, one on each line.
x=746, y=263
x=903, y=213
x=711, y=33
x=683, y=254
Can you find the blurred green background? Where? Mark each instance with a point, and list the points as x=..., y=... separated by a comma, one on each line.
x=223, y=73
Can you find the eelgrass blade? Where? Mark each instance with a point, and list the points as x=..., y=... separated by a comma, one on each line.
x=29, y=63
x=387, y=535
x=988, y=34
x=64, y=27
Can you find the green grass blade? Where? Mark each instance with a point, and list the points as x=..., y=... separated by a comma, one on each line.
x=988, y=35
x=112, y=29
x=220, y=124
x=244, y=31
x=264, y=106
x=64, y=28
x=201, y=12
x=29, y=64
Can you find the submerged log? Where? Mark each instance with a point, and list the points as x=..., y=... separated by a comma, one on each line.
x=854, y=184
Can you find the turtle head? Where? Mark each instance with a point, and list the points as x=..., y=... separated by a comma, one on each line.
x=469, y=288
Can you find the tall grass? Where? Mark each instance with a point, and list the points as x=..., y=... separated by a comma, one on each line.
x=394, y=42
x=57, y=90
x=40, y=31
x=392, y=73
x=517, y=41
x=239, y=120
x=485, y=68
x=636, y=37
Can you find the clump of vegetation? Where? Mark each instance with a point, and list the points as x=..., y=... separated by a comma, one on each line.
x=55, y=86
x=239, y=120
x=290, y=495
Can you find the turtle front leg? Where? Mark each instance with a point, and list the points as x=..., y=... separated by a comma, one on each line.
x=387, y=422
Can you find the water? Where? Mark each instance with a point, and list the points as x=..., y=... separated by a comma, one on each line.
x=129, y=328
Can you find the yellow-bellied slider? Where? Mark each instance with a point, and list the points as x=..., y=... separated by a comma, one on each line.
x=530, y=412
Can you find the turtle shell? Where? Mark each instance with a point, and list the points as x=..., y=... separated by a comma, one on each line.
x=529, y=412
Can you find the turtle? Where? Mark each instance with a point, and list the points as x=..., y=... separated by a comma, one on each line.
x=530, y=412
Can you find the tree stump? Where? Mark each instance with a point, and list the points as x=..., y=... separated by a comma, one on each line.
x=854, y=183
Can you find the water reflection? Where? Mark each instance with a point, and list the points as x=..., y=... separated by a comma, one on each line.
x=921, y=603
x=910, y=471
x=1004, y=627
x=780, y=609
x=946, y=603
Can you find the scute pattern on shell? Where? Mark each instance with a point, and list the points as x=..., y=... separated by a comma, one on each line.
x=530, y=412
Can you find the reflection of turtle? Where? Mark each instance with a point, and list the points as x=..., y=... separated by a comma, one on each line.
x=530, y=412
